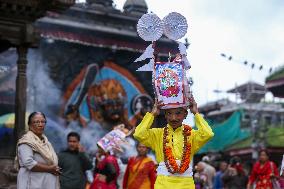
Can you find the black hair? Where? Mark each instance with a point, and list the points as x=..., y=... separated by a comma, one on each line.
x=137, y=144
x=186, y=110
x=263, y=150
x=33, y=114
x=223, y=161
x=73, y=134
x=234, y=160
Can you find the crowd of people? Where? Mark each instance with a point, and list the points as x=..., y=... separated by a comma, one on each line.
x=40, y=167
x=232, y=175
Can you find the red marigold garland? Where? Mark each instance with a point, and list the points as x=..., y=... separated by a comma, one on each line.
x=169, y=159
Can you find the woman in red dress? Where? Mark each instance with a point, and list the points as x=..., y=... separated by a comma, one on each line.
x=263, y=172
x=106, y=171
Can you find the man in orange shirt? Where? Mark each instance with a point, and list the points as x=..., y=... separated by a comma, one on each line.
x=141, y=171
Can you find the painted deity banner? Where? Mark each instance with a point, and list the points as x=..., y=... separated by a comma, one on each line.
x=170, y=84
x=112, y=141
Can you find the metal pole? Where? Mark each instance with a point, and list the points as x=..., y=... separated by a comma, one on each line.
x=254, y=128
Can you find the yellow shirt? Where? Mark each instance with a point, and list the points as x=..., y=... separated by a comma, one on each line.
x=153, y=138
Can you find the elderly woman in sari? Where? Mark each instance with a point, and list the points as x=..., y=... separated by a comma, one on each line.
x=36, y=157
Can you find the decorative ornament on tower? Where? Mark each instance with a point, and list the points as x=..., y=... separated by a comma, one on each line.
x=170, y=82
x=175, y=26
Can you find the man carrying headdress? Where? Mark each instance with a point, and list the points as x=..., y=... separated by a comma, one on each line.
x=175, y=144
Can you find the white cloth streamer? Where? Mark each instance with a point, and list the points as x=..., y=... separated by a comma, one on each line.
x=162, y=170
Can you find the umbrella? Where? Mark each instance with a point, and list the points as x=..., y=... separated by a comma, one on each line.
x=8, y=120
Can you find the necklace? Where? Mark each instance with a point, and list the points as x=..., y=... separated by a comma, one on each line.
x=169, y=158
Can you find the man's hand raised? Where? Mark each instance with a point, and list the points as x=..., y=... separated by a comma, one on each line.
x=193, y=105
x=156, y=108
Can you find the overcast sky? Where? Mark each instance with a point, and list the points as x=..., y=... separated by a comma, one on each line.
x=251, y=30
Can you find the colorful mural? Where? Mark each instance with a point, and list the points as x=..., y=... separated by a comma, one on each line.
x=106, y=96
x=99, y=99
x=95, y=101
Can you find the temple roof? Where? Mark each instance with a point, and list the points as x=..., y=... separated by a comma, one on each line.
x=264, y=107
x=214, y=106
x=100, y=27
x=243, y=87
x=250, y=91
x=106, y=3
x=275, y=82
x=277, y=74
x=135, y=6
